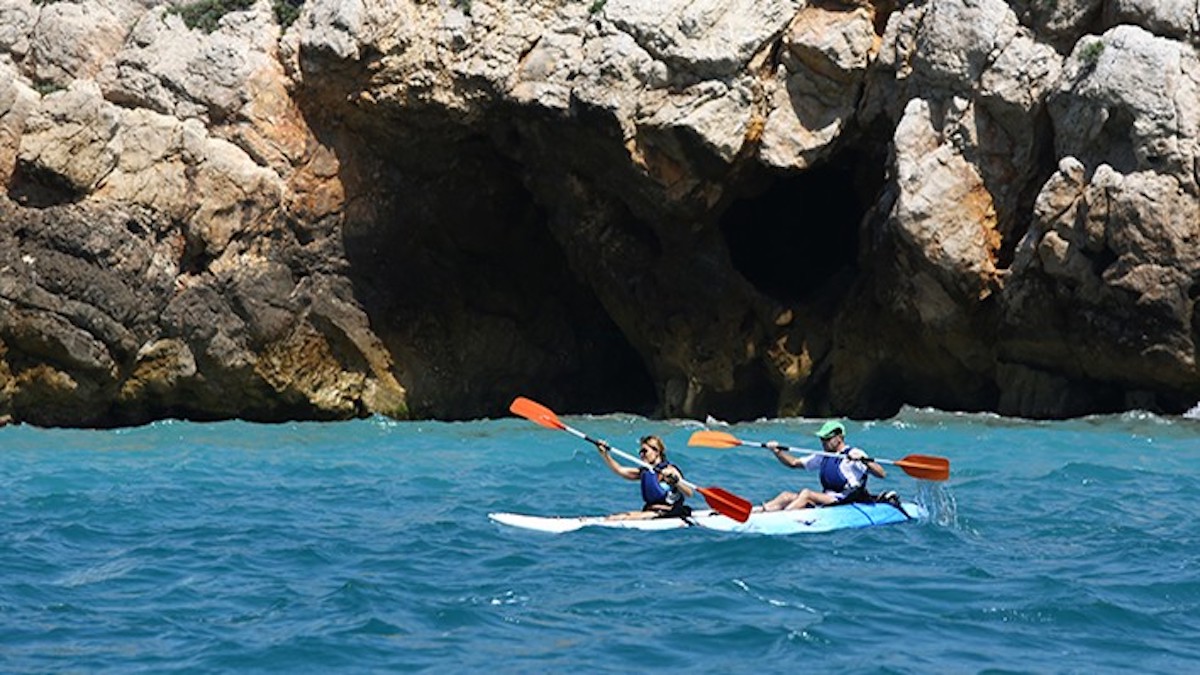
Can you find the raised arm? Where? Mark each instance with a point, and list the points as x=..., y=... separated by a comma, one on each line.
x=874, y=467
x=785, y=458
x=626, y=472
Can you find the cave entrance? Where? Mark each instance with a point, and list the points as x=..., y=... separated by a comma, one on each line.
x=799, y=236
x=474, y=298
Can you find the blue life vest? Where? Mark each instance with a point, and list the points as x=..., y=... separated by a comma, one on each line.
x=653, y=490
x=832, y=478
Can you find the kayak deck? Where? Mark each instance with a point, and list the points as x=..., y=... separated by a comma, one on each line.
x=775, y=522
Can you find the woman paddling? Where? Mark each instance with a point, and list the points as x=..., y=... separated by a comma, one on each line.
x=662, y=489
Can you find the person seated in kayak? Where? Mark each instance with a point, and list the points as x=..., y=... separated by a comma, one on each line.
x=662, y=489
x=843, y=477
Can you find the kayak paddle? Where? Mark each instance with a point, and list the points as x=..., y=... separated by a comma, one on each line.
x=722, y=501
x=926, y=467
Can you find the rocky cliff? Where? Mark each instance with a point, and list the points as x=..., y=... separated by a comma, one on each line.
x=734, y=208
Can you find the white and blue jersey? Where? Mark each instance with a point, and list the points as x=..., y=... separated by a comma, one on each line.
x=840, y=475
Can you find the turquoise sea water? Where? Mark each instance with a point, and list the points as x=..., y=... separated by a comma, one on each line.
x=1065, y=547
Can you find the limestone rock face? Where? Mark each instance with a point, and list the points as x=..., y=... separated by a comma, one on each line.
x=151, y=267
x=1112, y=255
x=685, y=208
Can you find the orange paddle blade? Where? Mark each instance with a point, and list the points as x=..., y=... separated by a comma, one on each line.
x=714, y=439
x=926, y=467
x=726, y=503
x=536, y=412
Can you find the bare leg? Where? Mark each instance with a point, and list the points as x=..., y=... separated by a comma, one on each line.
x=802, y=500
x=780, y=501
x=808, y=498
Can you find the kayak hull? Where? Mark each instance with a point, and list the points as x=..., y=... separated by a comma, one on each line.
x=827, y=519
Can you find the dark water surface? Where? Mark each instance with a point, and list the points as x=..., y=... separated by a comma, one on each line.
x=1065, y=547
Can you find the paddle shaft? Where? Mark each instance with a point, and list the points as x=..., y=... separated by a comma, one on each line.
x=932, y=468
x=624, y=455
x=826, y=453
x=924, y=467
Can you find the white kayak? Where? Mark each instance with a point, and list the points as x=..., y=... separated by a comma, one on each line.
x=774, y=522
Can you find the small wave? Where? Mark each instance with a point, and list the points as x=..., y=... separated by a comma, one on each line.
x=508, y=598
x=376, y=626
x=773, y=602
x=110, y=570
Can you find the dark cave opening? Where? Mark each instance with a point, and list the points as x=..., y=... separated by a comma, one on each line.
x=801, y=234
x=473, y=296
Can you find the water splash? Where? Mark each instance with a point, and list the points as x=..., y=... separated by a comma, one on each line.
x=939, y=501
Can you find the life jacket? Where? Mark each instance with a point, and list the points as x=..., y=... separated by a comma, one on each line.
x=833, y=479
x=655, y=491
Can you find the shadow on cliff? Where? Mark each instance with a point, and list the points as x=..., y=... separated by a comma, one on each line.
x=450, y=256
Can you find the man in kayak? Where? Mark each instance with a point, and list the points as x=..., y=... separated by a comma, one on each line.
x=662, y=491
x=844, y=472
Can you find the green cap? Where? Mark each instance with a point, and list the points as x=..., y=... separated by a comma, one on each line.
x=829, y=429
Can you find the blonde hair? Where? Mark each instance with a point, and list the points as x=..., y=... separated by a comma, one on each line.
x=656, y=443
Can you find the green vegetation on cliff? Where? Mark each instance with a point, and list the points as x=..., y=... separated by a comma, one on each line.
x=286, y=11
x=206, y=14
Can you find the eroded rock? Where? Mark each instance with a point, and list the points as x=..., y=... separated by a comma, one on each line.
x=426, y=208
